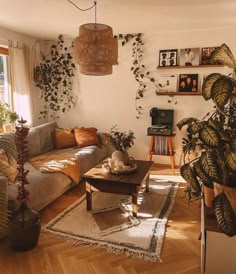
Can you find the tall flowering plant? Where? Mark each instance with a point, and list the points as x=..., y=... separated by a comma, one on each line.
x=121, y=141
x=22, y=151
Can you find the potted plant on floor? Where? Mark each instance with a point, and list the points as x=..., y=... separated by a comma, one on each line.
x=215, y=136
x=24, y=225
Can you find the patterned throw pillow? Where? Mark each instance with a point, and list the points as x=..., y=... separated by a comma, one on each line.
x=86, y=136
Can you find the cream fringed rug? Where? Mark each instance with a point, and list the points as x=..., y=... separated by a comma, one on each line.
x=111, y=225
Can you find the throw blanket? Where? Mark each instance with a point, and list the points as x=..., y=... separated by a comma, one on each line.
x=58, y=161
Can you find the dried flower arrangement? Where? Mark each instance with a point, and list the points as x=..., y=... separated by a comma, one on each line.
x=121, y=141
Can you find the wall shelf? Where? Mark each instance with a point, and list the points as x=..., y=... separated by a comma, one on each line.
x=189, y=67
x=178, y=93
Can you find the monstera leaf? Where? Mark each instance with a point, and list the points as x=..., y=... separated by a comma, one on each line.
x=190, y=177
x=224, y=214
x=210, y=136
x=207, y=85
x=210, y=166
x=222, y=90
x=224, y=56
x=186, y=121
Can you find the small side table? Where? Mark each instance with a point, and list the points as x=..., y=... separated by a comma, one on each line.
x=162, y=145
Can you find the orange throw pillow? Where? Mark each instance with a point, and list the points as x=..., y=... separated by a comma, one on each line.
x=64, y=138
x=86, y=136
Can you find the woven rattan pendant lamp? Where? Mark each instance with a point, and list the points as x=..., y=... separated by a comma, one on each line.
x=95, y=49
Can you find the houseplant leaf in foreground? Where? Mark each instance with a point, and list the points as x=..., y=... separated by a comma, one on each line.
x=224, y=214
x=223, y=55
x=189, y=176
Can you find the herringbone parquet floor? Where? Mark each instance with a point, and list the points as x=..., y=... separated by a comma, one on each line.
x=180, y=253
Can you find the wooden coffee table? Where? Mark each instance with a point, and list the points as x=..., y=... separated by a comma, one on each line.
x=127, y=184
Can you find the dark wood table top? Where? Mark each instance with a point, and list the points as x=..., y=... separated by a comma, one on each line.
x=136, y=177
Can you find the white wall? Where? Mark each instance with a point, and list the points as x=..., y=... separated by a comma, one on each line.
x=108, y=100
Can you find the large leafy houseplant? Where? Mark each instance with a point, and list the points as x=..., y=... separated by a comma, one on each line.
x=215, y=137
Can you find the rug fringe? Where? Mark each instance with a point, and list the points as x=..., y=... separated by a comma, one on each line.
x=109, y=247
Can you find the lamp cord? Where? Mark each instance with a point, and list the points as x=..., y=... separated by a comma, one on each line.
x=94, y=5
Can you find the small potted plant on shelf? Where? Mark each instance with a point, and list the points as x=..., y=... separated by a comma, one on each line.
x=24, y=225
x=215, y=137
x=7, y=117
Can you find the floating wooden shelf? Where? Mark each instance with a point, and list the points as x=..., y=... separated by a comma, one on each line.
x=178, y=93
x=188, y=67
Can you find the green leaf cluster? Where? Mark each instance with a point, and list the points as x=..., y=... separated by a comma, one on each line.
x=53, y=76
x=215, y=137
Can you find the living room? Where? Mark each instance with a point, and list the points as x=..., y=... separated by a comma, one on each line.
x=105, y=101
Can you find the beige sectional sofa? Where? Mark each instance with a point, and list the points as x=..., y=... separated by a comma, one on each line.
x=46, y=187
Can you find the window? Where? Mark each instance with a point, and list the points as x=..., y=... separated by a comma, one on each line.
x=5, y=95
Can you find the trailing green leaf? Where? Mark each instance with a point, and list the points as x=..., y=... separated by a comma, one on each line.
x=222, y=90
x=230, y=160
x=224, y=214
x=207, y=85
x=189, y=176
x=210, y=136
x=224, y=56
x=206, y=179
x=186, y=121
x=209, y=165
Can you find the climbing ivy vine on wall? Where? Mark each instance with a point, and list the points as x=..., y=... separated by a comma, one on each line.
x=53, y=76
x=141, y=74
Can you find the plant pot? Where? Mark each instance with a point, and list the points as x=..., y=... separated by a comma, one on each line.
x=24, y=228
x=209, y=195
x=120, y=156
x=230, y=192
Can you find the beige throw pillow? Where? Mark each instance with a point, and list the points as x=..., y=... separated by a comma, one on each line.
x=7, y=169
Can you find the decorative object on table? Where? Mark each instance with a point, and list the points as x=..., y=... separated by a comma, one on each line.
x=189, y=57
x=95, y=49
x=215, y=135
x=206, y=55
x=54, y=77
x=24, y=225
x=7, y=117
x=118, y=167
x=121, y=141
x=167, y=83
x=188, y=83
x=168, y=57
x=142, y=241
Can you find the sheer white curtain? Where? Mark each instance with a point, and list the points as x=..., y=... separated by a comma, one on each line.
x=21, y=63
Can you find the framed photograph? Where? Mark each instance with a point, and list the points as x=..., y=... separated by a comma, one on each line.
x=188, y=83
x=167, y=83
x=206, y=55
x=168, y=57
x=189, y=57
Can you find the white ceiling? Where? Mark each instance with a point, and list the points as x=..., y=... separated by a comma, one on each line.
x=47, y=19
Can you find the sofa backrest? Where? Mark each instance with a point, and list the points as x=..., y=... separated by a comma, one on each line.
x=40, y=139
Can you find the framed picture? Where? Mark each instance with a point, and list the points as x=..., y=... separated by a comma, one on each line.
x=167, y=83
x=168, y=57
x=189, y=57
x=206, y=55
x=188, y=83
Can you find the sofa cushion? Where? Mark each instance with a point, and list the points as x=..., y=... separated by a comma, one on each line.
x=64, y=138
x=40, y=138
x=86, y=136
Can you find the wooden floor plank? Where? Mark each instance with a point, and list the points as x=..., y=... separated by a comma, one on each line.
x=180, y=251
